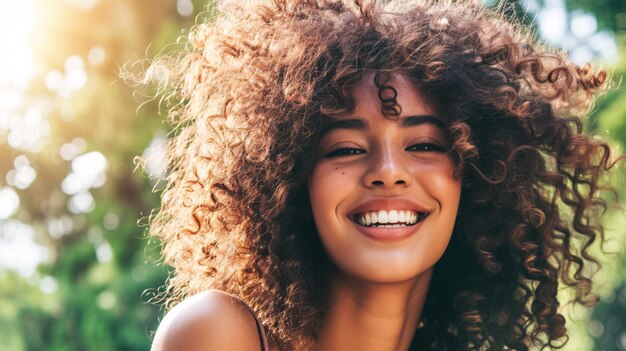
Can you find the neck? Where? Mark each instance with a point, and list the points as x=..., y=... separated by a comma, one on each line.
x=372, y=316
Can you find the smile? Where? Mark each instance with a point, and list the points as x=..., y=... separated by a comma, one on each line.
x=389, y=218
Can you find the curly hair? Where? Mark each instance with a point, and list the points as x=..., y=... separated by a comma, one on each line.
x=254, y=90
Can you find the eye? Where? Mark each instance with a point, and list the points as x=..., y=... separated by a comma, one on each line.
x=344, y=151
x=425, y=147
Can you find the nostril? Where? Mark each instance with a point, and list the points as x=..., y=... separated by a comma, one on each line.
x=380, y=182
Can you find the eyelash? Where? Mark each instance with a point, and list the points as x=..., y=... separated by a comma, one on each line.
x=428, y=147
x=349, y=151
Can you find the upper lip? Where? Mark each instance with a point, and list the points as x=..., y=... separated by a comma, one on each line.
x=387, y=204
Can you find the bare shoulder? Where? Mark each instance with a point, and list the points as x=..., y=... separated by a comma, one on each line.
x=211, y=320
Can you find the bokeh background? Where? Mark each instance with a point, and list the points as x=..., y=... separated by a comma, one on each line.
x=77, y=271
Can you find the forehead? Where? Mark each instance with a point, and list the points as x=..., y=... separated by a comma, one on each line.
x=367, y=96
x=367, y=111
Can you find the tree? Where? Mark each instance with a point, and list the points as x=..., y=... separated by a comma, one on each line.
x=84, y=202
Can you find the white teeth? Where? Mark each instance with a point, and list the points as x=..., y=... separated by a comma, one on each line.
x=383, y=217
x=393, y=216
x=389, y=219
x=401, y=217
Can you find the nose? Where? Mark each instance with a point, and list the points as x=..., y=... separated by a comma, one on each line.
x=387, y=169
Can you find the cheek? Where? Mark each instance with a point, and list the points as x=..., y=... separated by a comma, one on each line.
x=439, y=182
x=327, y=182
x=444, y=187
x=322, y=187
x=438, y=176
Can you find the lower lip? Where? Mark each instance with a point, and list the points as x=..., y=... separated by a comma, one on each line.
x=388, y=234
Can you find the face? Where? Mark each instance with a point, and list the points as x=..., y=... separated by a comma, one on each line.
x=383, y=193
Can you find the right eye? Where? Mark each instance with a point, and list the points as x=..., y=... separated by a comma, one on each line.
x=345, y=151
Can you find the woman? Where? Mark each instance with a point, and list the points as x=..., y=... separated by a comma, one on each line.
x=353, y=175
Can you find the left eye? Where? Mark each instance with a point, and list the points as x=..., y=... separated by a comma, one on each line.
x=346, y=151
x=425, y=147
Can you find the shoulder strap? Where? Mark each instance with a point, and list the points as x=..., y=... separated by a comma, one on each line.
x=259, y=326
x=264, y=344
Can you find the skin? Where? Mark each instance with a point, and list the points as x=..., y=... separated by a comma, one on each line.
x=381, y=276
x=206, y=321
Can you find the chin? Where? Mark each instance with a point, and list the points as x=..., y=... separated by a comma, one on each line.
x=383, y=271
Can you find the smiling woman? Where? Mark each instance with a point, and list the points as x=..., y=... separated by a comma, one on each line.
x=354, y=175
x=385, y=169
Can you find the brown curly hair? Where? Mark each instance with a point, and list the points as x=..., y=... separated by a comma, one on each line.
x=254, y=90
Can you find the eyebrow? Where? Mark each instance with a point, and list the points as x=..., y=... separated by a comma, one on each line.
x=404, y=122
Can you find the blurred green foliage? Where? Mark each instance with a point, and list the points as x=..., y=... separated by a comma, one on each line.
x=92, y=292
x=611, y=14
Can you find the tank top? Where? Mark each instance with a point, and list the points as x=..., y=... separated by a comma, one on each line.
x=259, y=326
